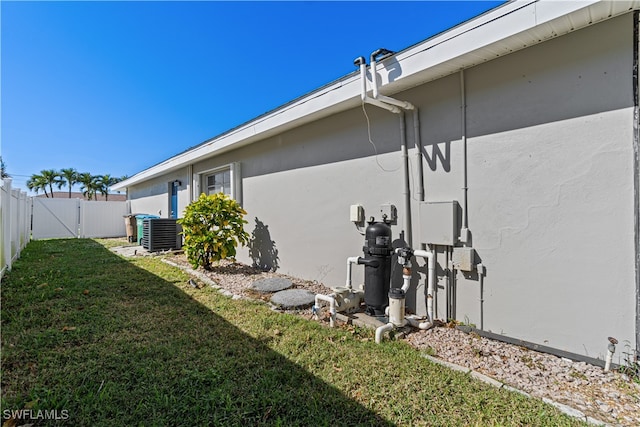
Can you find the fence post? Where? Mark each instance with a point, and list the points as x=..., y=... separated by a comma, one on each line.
x=6, y=224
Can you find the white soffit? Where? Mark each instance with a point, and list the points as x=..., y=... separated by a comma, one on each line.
x=508, y=28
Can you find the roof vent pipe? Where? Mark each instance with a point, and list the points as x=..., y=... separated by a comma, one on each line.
x=374, y=81
x=360, y=62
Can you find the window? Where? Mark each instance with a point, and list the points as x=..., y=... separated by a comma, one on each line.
x=226, y=179
x=219, y=181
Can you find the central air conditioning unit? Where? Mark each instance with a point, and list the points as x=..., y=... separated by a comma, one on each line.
x=161, y=234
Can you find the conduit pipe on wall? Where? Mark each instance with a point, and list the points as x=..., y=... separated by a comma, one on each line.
x=464, y=230
x=418, y=144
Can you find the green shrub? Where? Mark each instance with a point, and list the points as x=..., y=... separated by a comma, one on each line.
x=212, y=228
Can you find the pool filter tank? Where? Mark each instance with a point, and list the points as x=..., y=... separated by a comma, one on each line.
x=377, y=267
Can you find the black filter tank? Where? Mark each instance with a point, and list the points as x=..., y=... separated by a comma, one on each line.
x=377, y=267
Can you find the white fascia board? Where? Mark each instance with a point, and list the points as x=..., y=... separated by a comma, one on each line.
x=510, y=27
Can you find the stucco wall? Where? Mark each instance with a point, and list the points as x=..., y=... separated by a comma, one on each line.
x=550, y=195
x=153, y=196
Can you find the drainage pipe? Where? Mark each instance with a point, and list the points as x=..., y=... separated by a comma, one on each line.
x=418, y=322
x=405, y=192
x=332, y=307
x=431, y=263
x=611, y=348
x=381, y=330
x=350, y=260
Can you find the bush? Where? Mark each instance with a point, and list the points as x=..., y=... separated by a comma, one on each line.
x=212, y=227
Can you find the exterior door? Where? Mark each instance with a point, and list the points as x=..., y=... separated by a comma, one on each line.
x=174, y=200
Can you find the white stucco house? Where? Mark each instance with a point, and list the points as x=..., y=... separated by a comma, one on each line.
x=522, y=150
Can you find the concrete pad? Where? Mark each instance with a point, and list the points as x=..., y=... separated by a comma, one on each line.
x=273, y=284
x=131, y=251
x=293, y=298
x=361, y=319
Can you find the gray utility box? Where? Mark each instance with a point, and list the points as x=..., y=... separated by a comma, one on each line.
x=439, y=223
x=464, y=259
x=161, y=234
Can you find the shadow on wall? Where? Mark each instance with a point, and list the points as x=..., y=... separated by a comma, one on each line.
x=437, y=155
x=262, y=249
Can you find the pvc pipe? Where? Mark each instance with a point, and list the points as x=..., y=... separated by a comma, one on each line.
x=402, y=104
x=332, y=307
x=406, y=282
x=431, y=277
x=607, y=364
x=419, y=323
x=381, y=104
x=611, y=348
x=374, y=78
x=350, y=260
x=366, y=98
x=463, y=115
x=405, y=192
x=363, y=81
x=381, y=330
x=418, y=144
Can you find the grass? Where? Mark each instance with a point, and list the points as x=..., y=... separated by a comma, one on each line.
x=129, y=342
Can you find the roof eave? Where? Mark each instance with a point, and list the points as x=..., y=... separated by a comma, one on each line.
x=503, y=30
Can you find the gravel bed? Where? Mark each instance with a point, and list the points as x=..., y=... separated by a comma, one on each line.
x=609, y=397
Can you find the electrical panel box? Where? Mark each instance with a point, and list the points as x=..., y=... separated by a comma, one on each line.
x=439, y=223
x=464, y=259
x=389, y=211
x=356, y=214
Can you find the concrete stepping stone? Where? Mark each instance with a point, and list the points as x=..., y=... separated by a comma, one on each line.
x=293, y=298
x=274, y=284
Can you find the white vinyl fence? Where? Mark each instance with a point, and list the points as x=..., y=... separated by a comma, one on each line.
x=15, y=223
x=60, y=218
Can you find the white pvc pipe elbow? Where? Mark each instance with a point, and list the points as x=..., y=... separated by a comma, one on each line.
x=419, y=323
x=332, y=306
x=350, y=260
x=381, y=330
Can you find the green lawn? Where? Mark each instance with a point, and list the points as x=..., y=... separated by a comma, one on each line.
x=128, y=342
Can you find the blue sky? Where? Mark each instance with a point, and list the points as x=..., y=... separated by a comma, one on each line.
x=116, y=87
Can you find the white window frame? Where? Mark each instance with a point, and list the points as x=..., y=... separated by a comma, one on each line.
x=200, y=184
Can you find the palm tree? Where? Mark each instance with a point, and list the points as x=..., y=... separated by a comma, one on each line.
x=37, y=183
x=89, y=183
x=104, y=183
x=3, y=170
x=51, y=177
x=70, y=176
